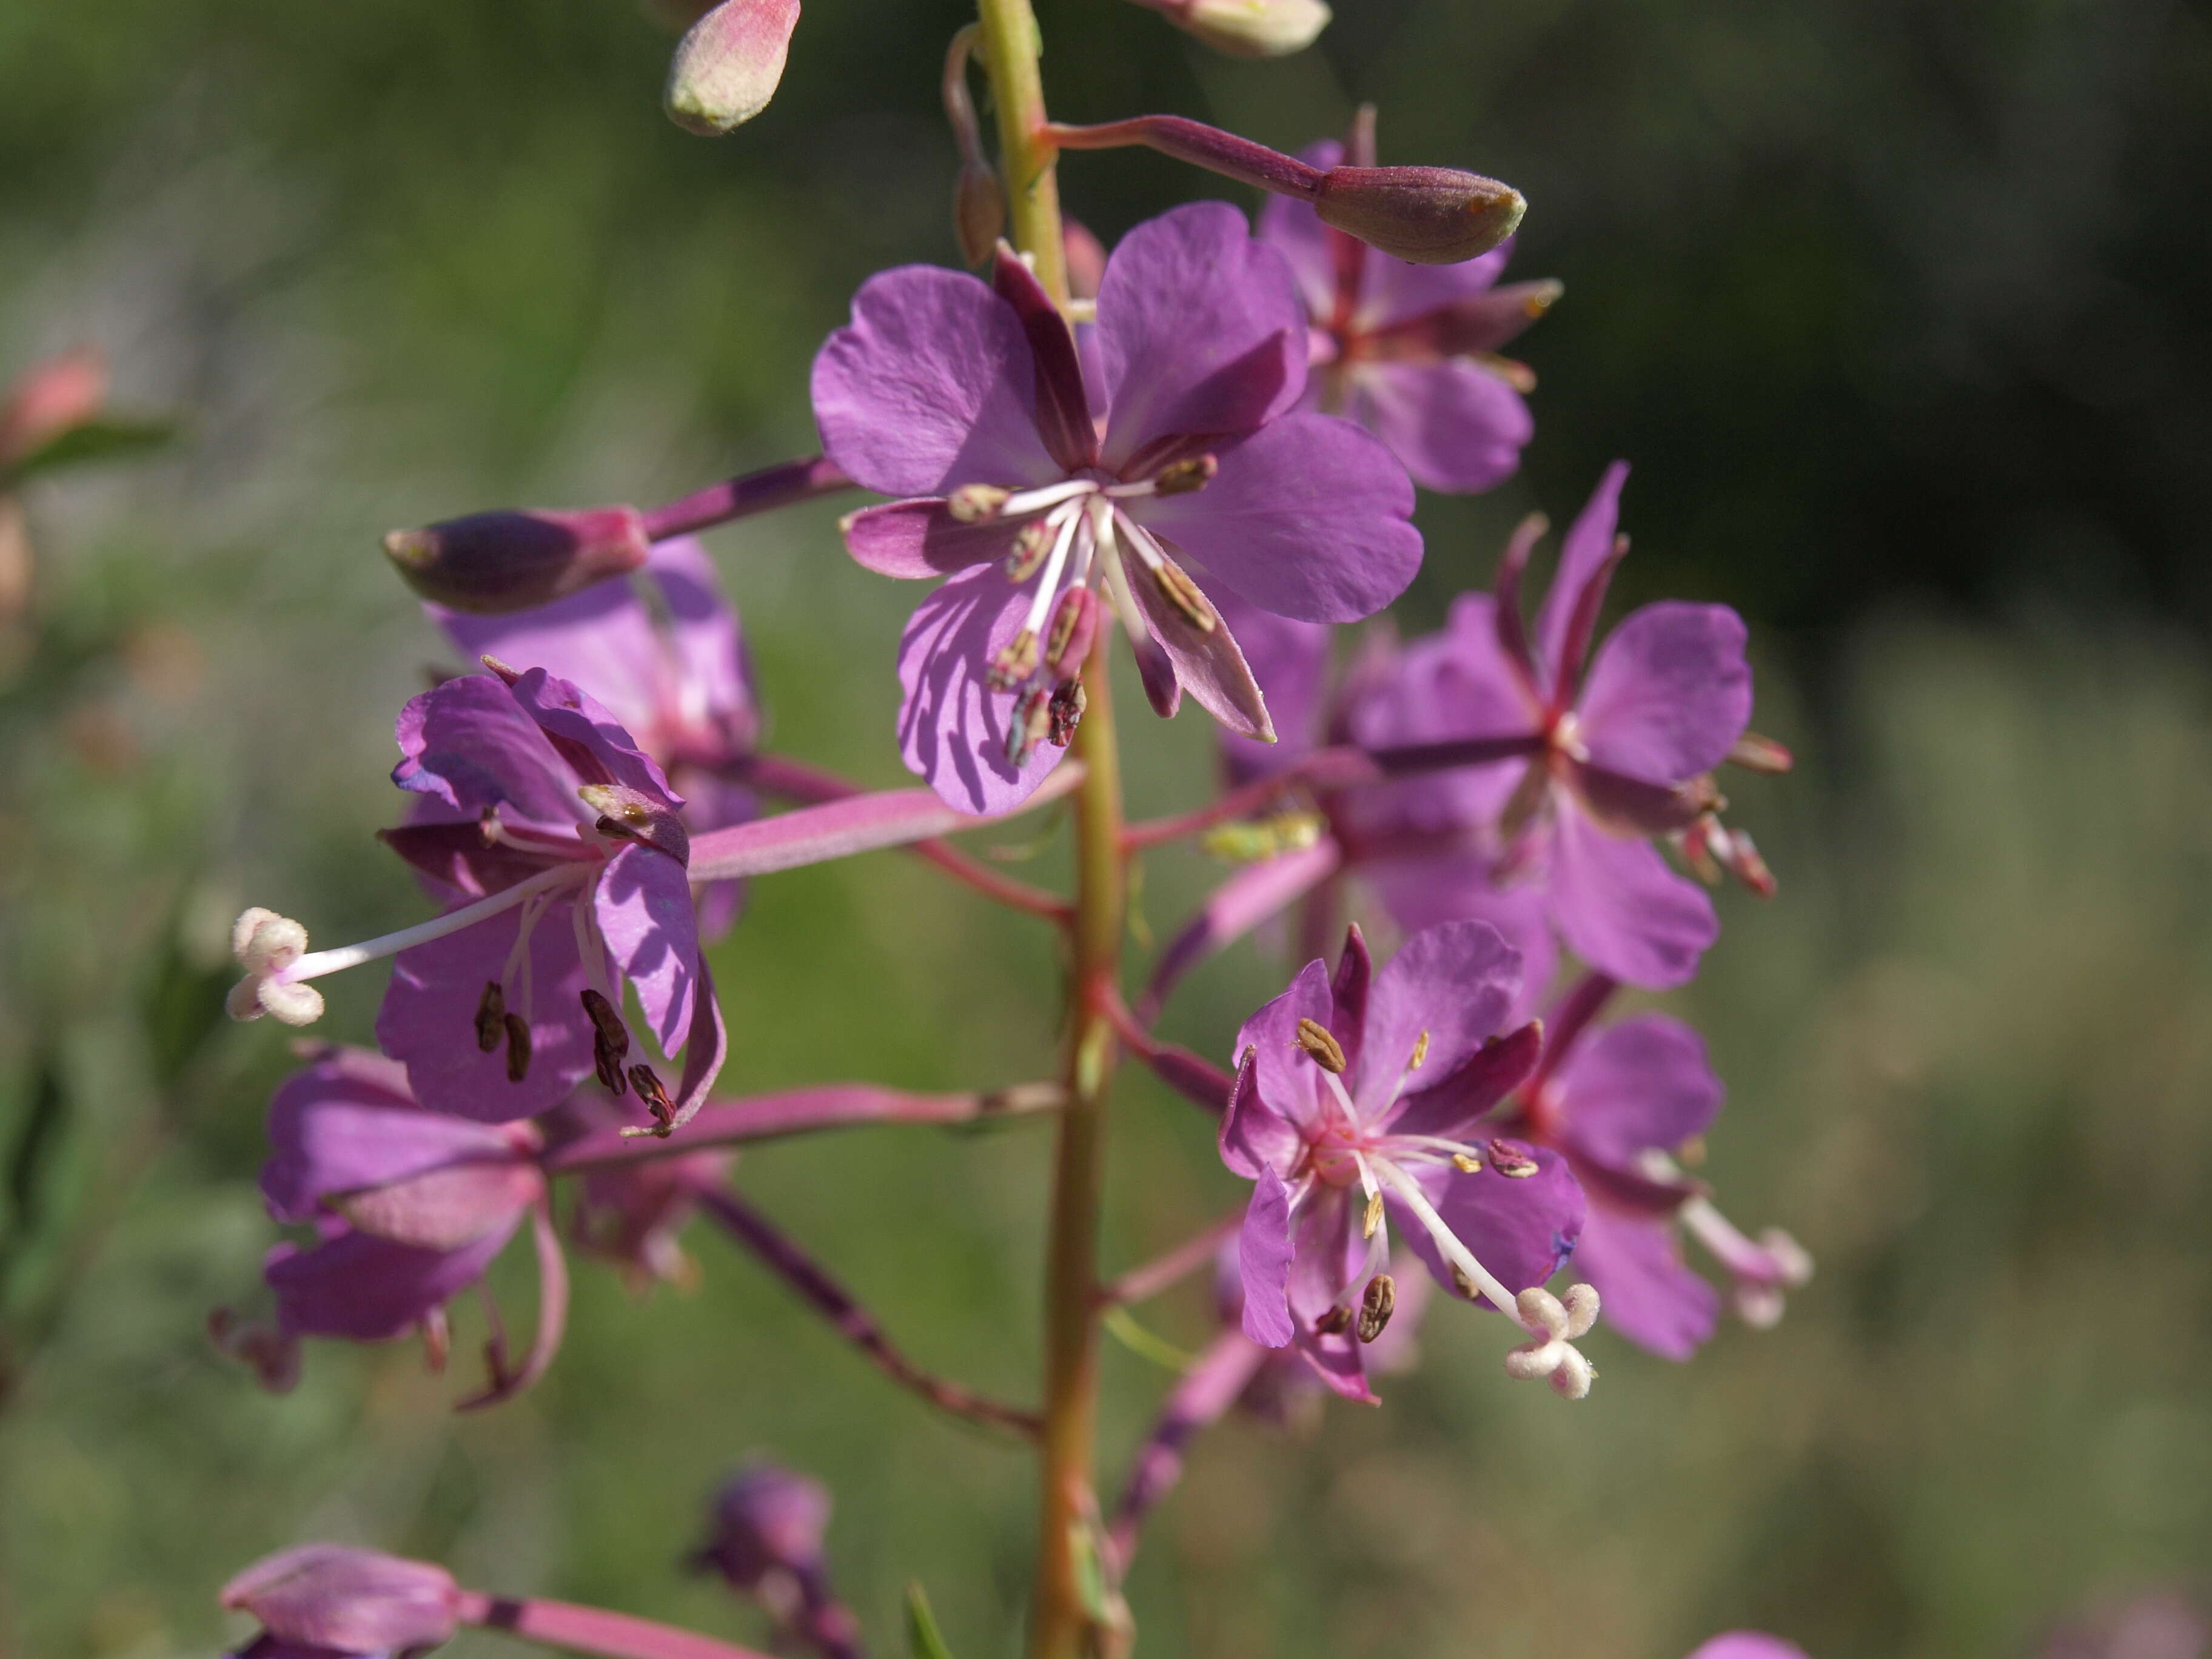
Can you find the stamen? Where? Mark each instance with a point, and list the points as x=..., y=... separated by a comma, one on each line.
x=1049, y=584
x=1184, y=476
x=1467, y=1162
x=491, y=1017
x=1036, y=501
x=1066, y=712
x=1028, y=726
x=518, y=1048
x=1511, y=1162
x=1376, y=1306
x=609, y=1042
x=1016, y=661
x=1031, y=543
x=1322, y=1048
x=1474, y=1275
x=1421, y=1051
x=647, y=1082
x=1335, y=1321
x=1373, y=1218
x=1183, y=593
x=1074, y=626
x=977, y=503
x=1552, y=1355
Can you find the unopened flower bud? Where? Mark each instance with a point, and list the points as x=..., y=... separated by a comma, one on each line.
x=979, y=210
x=347, y=1600
x=1425, y=216
x=728, y=63
x=1320, y=1045
x=1375, y=1304
x=490, y=562
x=1251, y=28
x=767, y=1519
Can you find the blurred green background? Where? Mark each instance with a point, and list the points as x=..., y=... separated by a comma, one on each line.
x=1900, y=306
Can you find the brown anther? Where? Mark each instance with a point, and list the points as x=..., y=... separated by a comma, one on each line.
x=1029, y=724
x=1373, y=1218
x=976, y=503
x=1183, y=593
x=1181, y=477
x=1016, y=661
x=1510, y=1161
x=491, y=1017
x=1467, y=1162
x=518, y=1047
x=1511, y=370
x=1375, y=1304
x=1031, y=543
x=1421, y=1051
x=1066, y=709
x=1334, y=1322
x=1320, y=1046
x=609, y=1042
x=647, y=1082
x=1690, y=1154
x=1466, y=1286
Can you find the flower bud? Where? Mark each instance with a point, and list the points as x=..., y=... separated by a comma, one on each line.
x=490, y=562
x=979, y=210
x=727, y=64
x=767, y=1519
x=1252, y=28
x=1425, y=216
x=347, y=1600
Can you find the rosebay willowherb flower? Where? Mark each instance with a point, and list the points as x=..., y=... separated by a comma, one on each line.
x=1051, y=517
x=1204, y=440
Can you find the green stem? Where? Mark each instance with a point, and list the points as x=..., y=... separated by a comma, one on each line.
x=1061, y=1620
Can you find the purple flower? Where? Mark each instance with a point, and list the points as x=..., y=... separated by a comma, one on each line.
x=1052, y=504
x=1410, y=351
x=321, y=1600
x=1626, y=748
x=663, y=653
x=1621, y=1103
x=1748, y=1644
x=631, y=1213
x=1357, y=1104
x=410, y=1207
x=768, y=1525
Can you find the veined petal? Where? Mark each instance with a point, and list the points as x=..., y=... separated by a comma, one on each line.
x=337, y=1126
x=1420, y=892
x=445, y=1209
x=1308, y=518
x=1456, y=426
x=920, y=537
x=1587, y=544
x=1622, y=910
x=930, y=386
x=952, y=726
x=1391, y=291
x=1256, y=1139
x=1648, y=1294
x=1456, y=1101
x=1669, y=694
x=1200, y=331
x=1207, y=663
x=1289, y=1082
x=367, y=1289
x=1643, y=1082
x=469, y=745
x=643, y=907
x=1456, y=982
x=1522, y=1229
x=588, y=736
x=1063, y=406
x=1290, y=660
x=1263, y=1262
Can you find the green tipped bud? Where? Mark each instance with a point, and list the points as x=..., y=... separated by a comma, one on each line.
x=1252, y=28
x=490, y=562
x=1424, y=215
x=728, y=63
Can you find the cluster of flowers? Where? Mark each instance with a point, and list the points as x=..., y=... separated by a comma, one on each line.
x=1212, y=450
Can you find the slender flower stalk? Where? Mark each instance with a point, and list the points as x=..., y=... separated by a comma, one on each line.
x=1199, y=1250
x=592, y=1630
x=1207, y=1389
x=785, y=484
x=777, y=1252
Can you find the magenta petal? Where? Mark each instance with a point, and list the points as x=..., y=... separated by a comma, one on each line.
x=1063, y=406
x=952, y=726
x=1643, y=1082
x=445, y=1209
x=369, y=1290
x=1200, y=331
x=1207, y=665
x=588, y=736
x=1456, y=426
x=347, y=1599
x=1669, y=694
x=1307, y=518
x=643, y=907
x=336, y=1126
x=1263, y=1262
x=920, y=538
x=1290, y=660
x=1452, y=1104
x=1584, y=550
x=1288, y=1081
x=1647, y=1294
x=930, y=387
x=1329, y=1255
x=1255, y=1138
x=552, y=1320
x=1248, y=898
x=836, y=830
x=428, y=1021
x=1748, y=1644
x=1622, y=910
x=1456, y=982
x=1421, y=891
x=1522, y=1229
x=467, y=744
x=705, y=1048
x=1391, y=291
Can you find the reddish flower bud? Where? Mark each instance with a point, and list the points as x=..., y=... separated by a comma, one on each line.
x=50, y=398
x=1424, y=215
x=347, y=1600
x=979, y=210
x=728, y=63
x=767, y=1519
x=490, y=562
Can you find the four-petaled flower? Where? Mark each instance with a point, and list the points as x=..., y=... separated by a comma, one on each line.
x=1358, y=1103
x=1052, y=503
x=1410, y=351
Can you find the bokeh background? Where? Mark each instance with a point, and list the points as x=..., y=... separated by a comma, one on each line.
x=1899, y=306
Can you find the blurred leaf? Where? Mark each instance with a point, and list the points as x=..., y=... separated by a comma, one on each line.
x=182, y=1004
x=106, y=439
x=923, y=1639
x=34, y=1151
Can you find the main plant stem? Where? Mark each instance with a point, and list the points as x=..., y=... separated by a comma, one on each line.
x=1068, y=1513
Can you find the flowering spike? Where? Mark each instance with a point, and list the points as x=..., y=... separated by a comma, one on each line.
x=490, y=562
x=727, y=66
